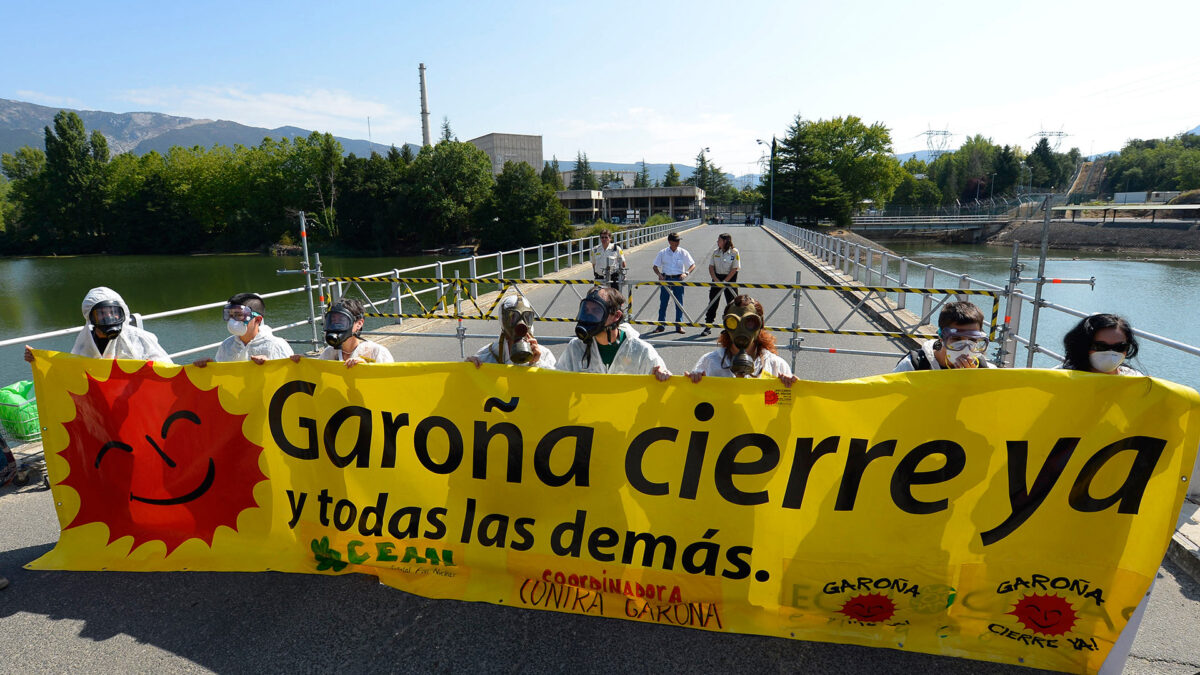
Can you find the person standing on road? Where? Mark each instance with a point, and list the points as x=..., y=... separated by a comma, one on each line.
x=723, y=265
x=608, y=261
x=673, y=263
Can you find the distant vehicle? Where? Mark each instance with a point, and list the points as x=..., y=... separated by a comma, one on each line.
x=616, y=220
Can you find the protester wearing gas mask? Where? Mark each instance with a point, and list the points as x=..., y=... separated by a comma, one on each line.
x=516, y=344
x=1100, y=343
x=961, y=342
x=250, y=339
x=747, y=348
x=343, y=323
x=604, y=343
x=108, y=334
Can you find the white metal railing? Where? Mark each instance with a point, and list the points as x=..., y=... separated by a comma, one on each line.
x=532, y=261
x=875, y=267
x=913, y=220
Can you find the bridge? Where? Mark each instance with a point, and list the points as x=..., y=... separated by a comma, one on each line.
x=974, y=228
x=193, y=622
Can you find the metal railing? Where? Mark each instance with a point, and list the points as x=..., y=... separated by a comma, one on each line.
x=872, y=266
x=531, y=261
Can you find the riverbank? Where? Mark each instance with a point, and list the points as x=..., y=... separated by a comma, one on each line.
x=1141, y=239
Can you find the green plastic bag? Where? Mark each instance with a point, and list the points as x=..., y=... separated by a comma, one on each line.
x=18, y=411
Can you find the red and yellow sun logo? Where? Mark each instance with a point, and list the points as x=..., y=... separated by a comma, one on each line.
x=1045, y=614
x=157, y=459
x=869, y=608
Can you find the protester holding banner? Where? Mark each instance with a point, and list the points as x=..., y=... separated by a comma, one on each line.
x=747, y=348
x=603, y=343
x=516, y=344
x=1101, y=343
x=343, y=324
x=108, y=333
x=961, y=342
x=250, y=337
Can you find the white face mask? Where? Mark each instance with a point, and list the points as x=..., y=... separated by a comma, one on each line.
x=237, y=328
x=1106, y=362
x=953, y=353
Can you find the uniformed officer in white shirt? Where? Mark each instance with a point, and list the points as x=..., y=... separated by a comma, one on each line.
x=673, y=263
x=723, y=265
x=608, y=261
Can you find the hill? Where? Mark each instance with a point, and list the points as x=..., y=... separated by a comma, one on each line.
x=23, y=123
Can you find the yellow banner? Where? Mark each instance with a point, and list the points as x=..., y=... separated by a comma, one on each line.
x=1014, y=515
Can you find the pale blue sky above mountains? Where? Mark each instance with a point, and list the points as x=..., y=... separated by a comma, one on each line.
x=624, y=81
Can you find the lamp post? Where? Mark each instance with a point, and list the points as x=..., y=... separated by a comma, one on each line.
x=771, y=212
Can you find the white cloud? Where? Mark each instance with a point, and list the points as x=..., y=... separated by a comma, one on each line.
x=333, y=111
x=48, y=99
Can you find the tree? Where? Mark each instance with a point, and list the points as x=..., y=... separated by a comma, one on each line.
x=914, y=191
x=521, y=211
x=643, y=177
x=315, y=163
x=443, y=188
x=671, y=179
x=551, y=175
x=583, y=178
x=75, y=168
x=828, y=168
x=447, y=133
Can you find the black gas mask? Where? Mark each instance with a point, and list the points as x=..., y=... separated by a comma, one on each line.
x=742, y=324
x=593, y=316
x=109, y=317
x=516, y=324
x=339, y=326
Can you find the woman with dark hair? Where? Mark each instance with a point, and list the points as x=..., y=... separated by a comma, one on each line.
x=1101, y=343
x=724, y=263
x=747, y=348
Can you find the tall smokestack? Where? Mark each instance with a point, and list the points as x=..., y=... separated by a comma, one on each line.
x=424, y=109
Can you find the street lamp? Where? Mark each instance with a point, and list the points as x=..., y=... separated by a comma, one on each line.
x=772, y=203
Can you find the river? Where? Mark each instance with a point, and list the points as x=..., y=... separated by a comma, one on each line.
x=44, y=294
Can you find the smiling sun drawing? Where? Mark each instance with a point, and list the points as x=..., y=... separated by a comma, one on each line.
x=157, y=459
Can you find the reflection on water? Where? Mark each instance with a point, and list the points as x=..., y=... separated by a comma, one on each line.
x=1154, y=295
x=43, y=294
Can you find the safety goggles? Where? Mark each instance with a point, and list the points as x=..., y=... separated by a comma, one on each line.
x=1121, y=347
x=107, y=313
x=339, y=321
x=750, y=322
x=238, y=312
x=976, y=341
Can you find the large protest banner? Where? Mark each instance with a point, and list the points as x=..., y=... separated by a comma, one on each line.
x=1014, y=515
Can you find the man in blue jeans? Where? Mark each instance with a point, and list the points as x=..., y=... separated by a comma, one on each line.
x=672, y=264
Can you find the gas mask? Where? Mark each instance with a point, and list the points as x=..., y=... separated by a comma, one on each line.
x=109, y=317
x=959, y=343
x=516, y=324
x=593, y=316
x=742, y=324
x=339, y=326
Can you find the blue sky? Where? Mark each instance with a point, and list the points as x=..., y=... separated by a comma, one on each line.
x=624, y=81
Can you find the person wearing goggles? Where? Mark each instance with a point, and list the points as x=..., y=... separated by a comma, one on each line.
x=250, y=338
x=608, y=261
x=343, y=323
x=516, y=344
x=604, y=343
x=108, y=333
x=1101, y=343
x=747, y=348
x=961, y=342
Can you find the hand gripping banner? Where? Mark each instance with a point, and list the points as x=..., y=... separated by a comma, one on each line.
x=1009, y=515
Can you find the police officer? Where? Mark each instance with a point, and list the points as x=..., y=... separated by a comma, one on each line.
x=723, y=265
x=608, y=261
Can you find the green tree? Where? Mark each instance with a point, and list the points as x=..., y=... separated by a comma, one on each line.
x=643, y=177
x=671, y=178
x=443, y=188
x=582, y=177
x=914, y=191
x=521, y=211
x=75, y=176
x=447, y=132
x=551, y=176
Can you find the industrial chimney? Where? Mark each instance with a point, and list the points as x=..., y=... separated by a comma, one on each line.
x=424, y=110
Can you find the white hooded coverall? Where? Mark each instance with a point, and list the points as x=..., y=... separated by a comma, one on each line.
x=131, y=343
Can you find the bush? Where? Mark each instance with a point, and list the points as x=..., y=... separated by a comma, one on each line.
x=659, y=219
x=594, y=230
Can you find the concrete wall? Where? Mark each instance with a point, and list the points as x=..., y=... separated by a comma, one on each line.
x=501, y=148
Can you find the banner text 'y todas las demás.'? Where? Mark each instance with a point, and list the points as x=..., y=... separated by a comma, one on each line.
x=1015, y=515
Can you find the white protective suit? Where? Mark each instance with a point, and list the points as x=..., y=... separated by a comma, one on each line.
x=131, y=343
x=767, y=364
x=264, y=344
x=634, y=357
x=370, y=352
x=489, y=352
x=905, y=365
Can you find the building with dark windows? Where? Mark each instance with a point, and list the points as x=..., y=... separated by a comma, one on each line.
x=632, y=205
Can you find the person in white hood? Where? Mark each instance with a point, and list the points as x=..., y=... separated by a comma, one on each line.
x=605, y=344
x=107, y=333
x=250, y=338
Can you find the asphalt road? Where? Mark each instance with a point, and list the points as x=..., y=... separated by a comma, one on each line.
x=190, y=622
